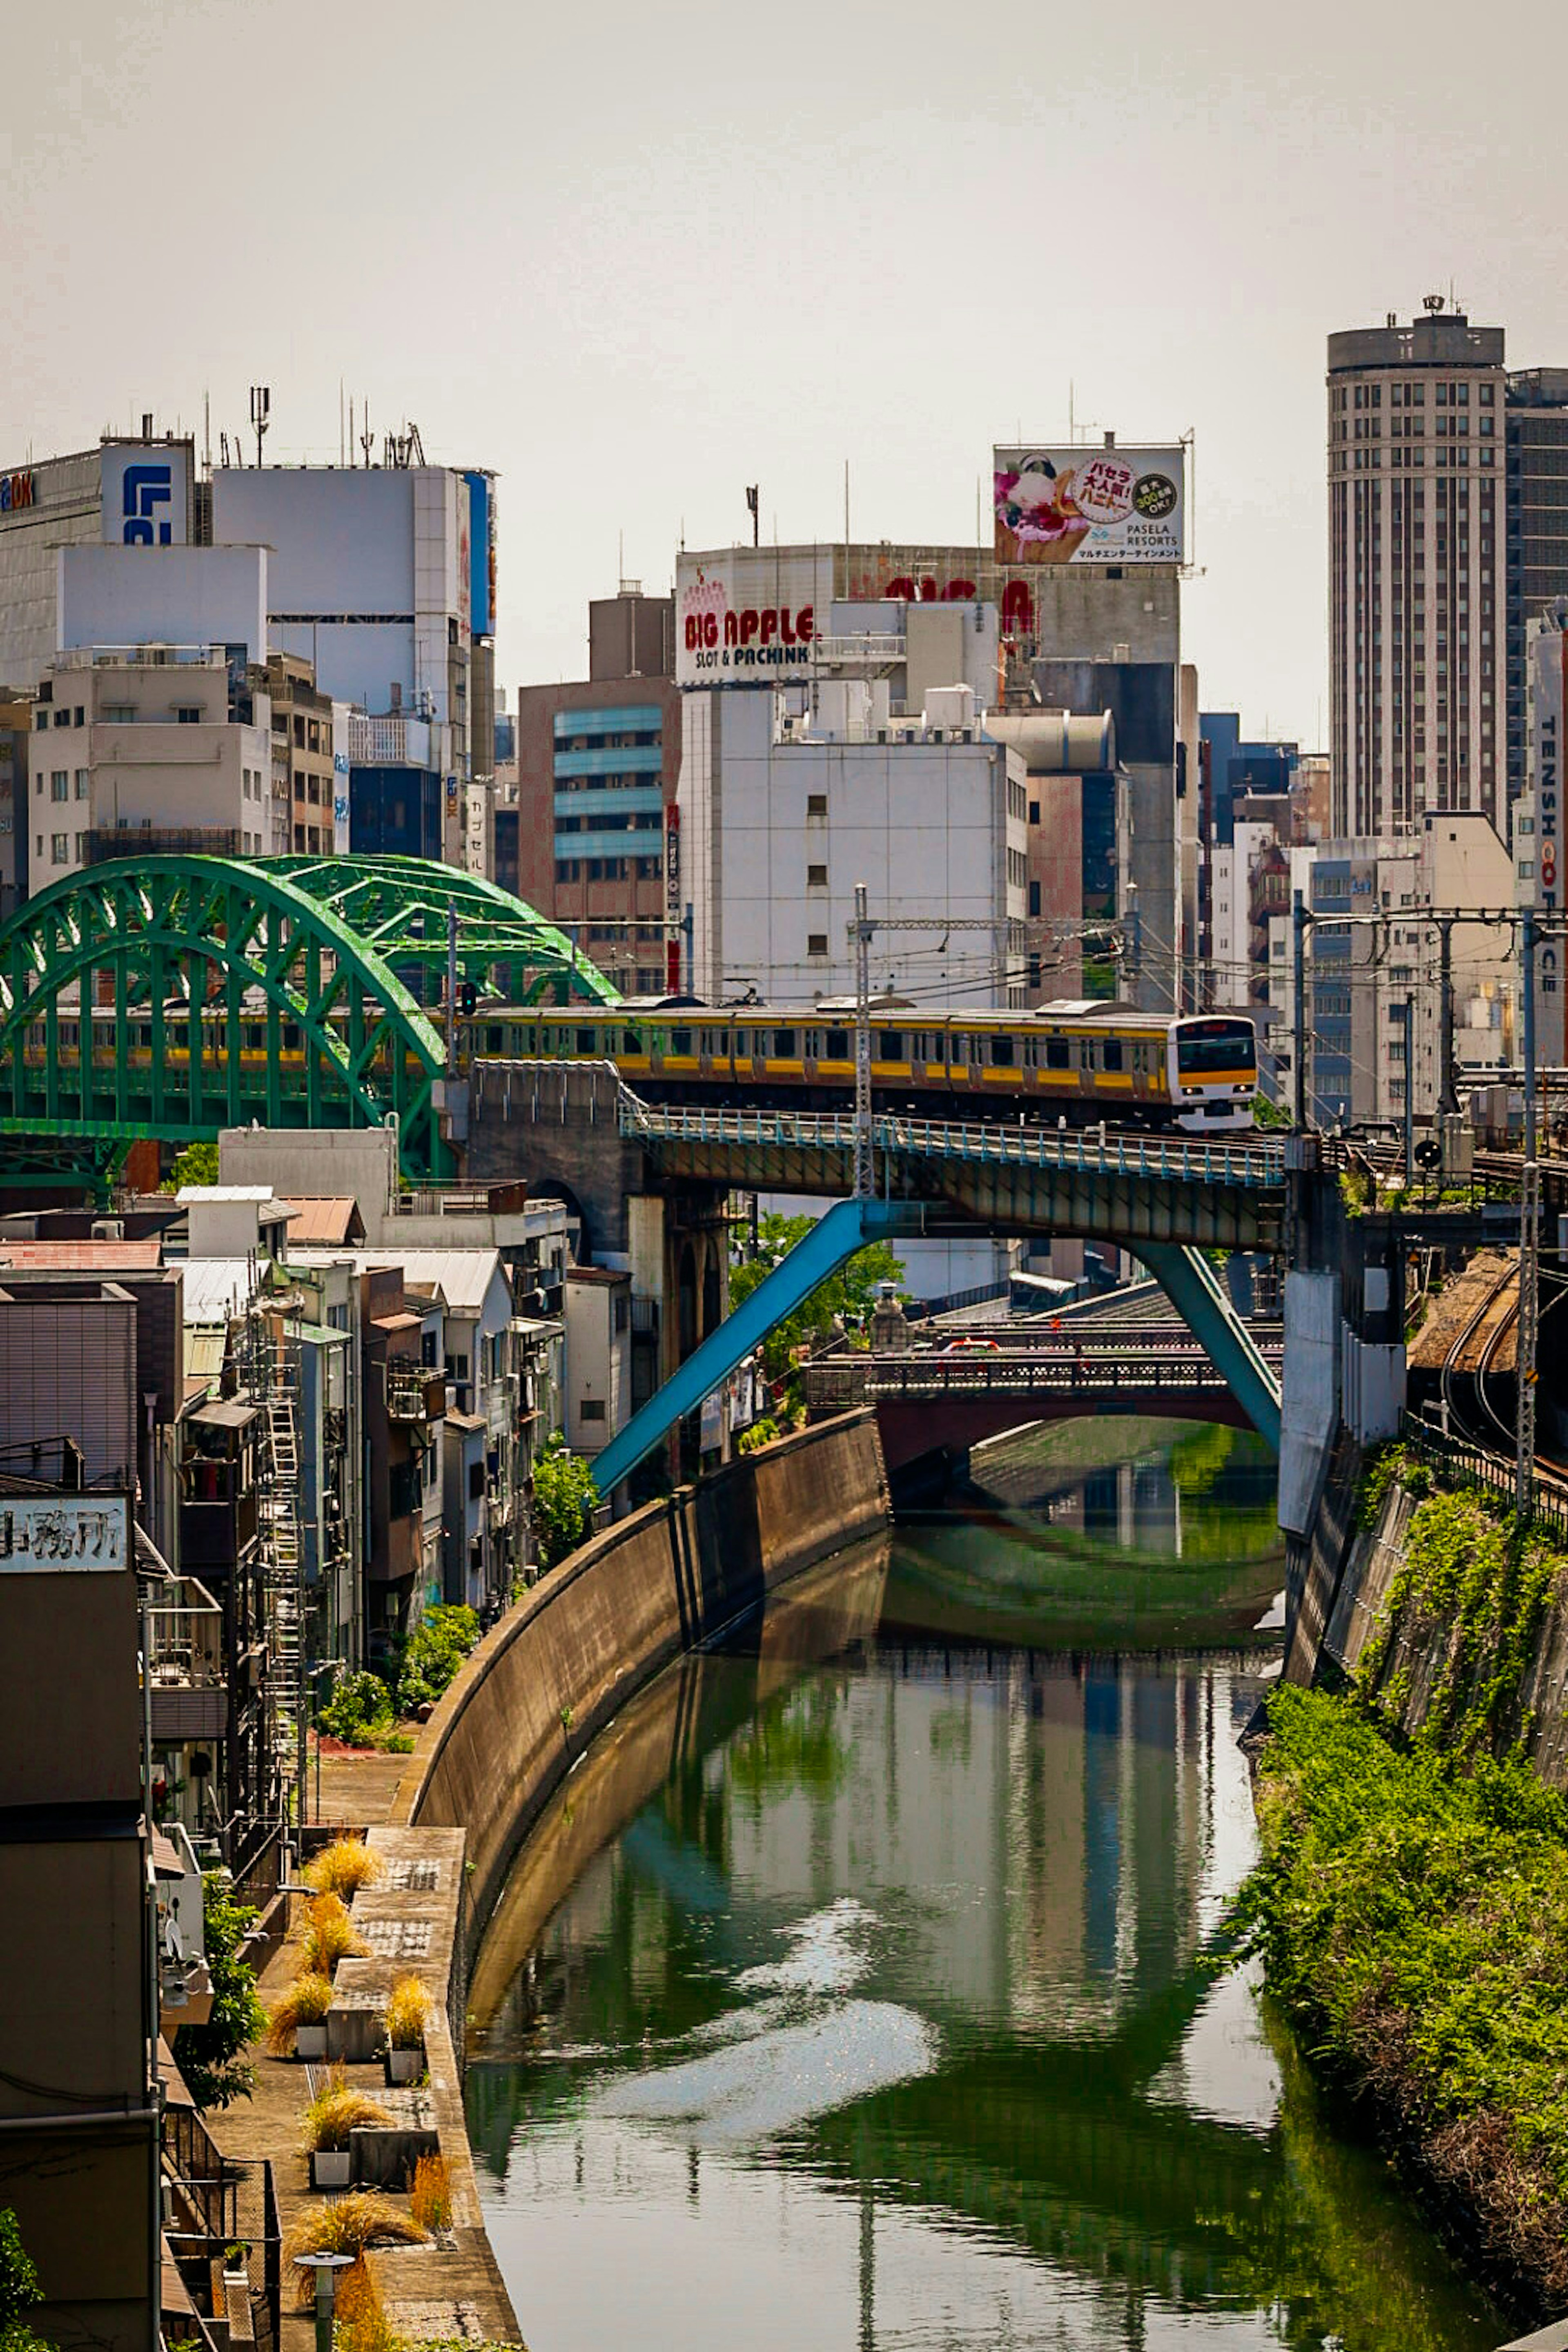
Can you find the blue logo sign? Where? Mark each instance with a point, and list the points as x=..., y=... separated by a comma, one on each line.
x=144, y=490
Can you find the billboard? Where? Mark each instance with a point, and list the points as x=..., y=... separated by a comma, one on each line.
x=145, y=489
x=748, y=615
x=481, y=554
x=1085, y=505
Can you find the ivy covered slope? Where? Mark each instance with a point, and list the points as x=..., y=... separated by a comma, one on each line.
x=1411, y=1904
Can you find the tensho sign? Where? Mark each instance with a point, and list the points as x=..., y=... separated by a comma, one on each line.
x=1084, y=504
x=748, y=616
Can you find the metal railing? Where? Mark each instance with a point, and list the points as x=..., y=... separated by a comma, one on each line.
x=1460, y=1463
x=923, y=1379
x=230, y=2204
x=1255, y=1164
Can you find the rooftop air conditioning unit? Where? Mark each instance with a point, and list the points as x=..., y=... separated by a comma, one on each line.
x=108, y=1229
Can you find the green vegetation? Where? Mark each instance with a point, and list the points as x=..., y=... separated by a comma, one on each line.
x=564, y=1496
x=763, y=1432
x=433, y=1654
x=846, y=1296
x=196, y=1164
x=19, y=2288
x=1413, y=1917
x=211, y=2056
x=360, y=1713
x=1470, y=1586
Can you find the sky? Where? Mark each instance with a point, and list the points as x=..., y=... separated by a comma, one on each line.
x=636, y=258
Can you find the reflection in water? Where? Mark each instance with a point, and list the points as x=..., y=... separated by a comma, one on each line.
x=875, y=2014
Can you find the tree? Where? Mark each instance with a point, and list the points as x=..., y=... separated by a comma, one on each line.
x=196, y=1164
x=19, y=2288
x=850, y=1295
x=210, y=2056
x=433, y=1653
x=564, y=1496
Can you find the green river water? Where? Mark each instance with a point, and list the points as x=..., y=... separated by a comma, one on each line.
x=851, y=1994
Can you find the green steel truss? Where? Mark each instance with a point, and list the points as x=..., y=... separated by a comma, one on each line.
x=299, y=969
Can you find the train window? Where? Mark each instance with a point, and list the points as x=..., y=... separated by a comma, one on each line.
x=1031, y=1053
x=970, y=1048
x=1112, y=1053
x=587, y=1042
x=291, y=1035
x=837, y=1045
x=784, y=1044
x=1002, y=1051
x=1057, y=1054
x=495, y=1038
x=890, y=1045
x=631, y=1042
x=681, y=1041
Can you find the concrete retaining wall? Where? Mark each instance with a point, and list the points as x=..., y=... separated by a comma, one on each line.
x=561, y=1663
x=1419, y=1649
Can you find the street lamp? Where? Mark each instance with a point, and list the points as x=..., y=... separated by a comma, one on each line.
x=326, y=2267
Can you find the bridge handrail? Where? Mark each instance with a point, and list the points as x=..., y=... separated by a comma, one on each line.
x=1088, y=1150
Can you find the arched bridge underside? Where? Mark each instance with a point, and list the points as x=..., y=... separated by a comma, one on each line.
x=290, y=991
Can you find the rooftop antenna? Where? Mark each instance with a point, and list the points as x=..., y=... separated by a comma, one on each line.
x=339, y=420
x=207, y=431
x=366, y=438
x=754, y=504
x=260, y=413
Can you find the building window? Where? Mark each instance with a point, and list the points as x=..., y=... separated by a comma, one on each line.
x=59, y=785
x=817, y=878
x=816, y=943
x=62, y=719
x=592, y=1409
x=82, y=785
x=815, y=804
x=81, y=849
x=59, y=849
x=187, y=714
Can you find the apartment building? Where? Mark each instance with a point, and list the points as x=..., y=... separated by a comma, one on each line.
x=148, y=749
x=303, y=774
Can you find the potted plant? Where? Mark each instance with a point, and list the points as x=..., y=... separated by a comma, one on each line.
x=406, y=2014
x=297, y=2021
x=329, y=2118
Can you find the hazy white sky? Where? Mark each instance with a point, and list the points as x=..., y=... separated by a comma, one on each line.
x=635, y=257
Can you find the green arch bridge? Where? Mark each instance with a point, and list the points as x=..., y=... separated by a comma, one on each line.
x=221, y=990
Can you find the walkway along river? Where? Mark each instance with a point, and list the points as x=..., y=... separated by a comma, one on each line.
x=881, y=2018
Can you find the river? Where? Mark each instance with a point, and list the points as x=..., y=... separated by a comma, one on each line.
x=853, y=1993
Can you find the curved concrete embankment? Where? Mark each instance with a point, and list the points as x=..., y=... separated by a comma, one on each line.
x=561, y=1663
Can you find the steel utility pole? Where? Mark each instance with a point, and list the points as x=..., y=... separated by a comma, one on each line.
x=863, y=1173
x=1528, y=1246
x=1446, y=1098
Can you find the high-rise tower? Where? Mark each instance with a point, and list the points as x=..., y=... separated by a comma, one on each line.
x=1416, y=555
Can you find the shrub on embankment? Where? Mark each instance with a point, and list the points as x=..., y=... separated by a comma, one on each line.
x=1413, y=1918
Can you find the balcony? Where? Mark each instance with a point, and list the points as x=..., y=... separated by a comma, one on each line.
x=415, y=1394
x=216, y=1531
x=188, y=1671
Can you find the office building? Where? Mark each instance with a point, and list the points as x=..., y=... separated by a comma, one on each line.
x=382, y=578
x=304, y=776
x=597, y=764
x=1416, y=555
x=128, y=492
x=1537, y=418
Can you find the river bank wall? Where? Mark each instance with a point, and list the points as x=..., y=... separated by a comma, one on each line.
x=559, y=1667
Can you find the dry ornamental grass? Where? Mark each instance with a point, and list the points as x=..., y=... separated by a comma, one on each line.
x=304, y=2002
x=344, y=2225
x=343, y=1867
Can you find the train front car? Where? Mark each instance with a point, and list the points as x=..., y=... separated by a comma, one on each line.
x=1213, y=1073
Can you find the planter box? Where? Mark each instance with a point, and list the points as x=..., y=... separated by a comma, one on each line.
x=404, y=2066
x=311, y=2041
x=386, y=2154
x=330, y=2168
